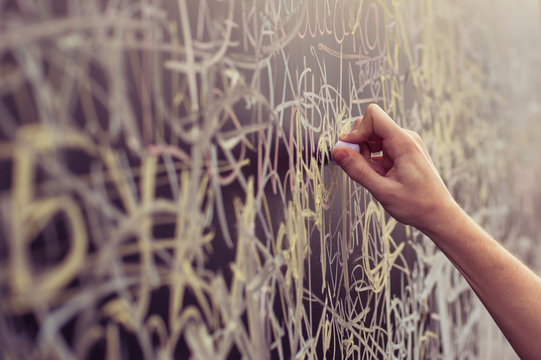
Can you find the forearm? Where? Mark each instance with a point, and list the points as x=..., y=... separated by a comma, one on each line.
x=407, y=184
x=509, y=289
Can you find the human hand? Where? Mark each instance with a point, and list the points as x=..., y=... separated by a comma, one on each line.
x=403, y=179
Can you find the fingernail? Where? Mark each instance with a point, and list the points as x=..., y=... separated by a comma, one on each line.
x=340, y=156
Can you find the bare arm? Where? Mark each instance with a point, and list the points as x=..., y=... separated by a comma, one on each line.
x=408, y=185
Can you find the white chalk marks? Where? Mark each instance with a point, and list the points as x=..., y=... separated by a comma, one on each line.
x=164, y=191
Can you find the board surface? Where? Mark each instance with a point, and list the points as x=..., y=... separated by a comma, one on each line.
x=166, y=190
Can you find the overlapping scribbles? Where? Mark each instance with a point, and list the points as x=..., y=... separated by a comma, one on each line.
x=164, y=192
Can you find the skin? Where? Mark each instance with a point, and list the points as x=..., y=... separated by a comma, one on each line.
x=405, y=181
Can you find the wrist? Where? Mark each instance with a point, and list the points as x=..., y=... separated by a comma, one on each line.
x=443, y=219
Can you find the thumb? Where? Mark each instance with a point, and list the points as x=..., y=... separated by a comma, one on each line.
x=358, y=168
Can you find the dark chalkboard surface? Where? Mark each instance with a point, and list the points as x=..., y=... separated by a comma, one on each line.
x=166, y=190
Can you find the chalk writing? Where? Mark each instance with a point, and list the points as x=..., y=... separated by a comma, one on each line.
x=165, y=189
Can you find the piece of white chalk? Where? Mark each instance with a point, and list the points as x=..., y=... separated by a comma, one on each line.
x=353, y=146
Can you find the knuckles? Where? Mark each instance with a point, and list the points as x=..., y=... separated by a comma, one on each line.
x=414, y=135
x=411, y=142
x=371, y=109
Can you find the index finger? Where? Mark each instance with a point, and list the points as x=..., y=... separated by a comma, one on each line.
x=375, y=125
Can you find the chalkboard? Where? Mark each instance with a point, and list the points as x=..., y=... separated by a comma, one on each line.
x=166, y=189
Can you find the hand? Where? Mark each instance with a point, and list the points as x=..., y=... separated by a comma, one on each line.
x=404, y=179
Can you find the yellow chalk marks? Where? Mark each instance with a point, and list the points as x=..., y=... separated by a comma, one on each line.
x=30, y=216
x=327, y=335
x=272, y=289
x=191, y=236
x=25, y=284
x=121, y=312
x=377, y=265
x=357, y=22
x=345, y=127
x=292, y=239
x=111, y=159
x=147, y=271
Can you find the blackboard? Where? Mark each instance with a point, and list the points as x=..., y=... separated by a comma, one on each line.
x=166, y=189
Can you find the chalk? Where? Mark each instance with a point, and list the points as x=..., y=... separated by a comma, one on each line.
x=353, y=146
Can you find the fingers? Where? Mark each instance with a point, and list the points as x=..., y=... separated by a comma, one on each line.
x=383, y=161
x=375, y=125
x=357, y=123
x=401, y=176
x=366, y=172
x=417, y=139
x=377, y=165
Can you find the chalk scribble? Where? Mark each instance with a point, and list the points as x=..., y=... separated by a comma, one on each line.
x=165, y=190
